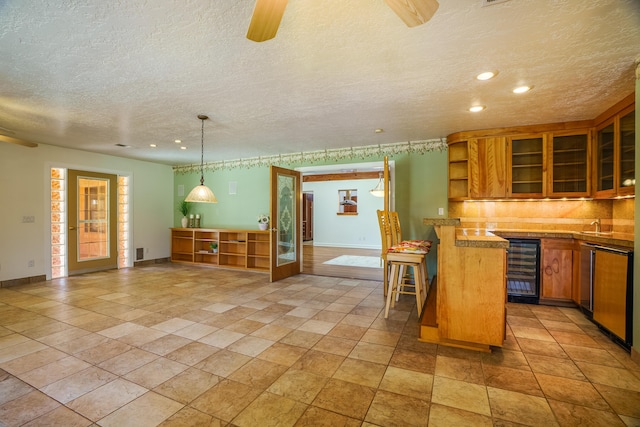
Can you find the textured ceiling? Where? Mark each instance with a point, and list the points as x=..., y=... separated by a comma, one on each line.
x=92, y=74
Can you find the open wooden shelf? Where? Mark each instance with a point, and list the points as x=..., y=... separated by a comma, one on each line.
x=244, y=249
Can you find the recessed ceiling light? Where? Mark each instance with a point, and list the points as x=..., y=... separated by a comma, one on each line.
x=152, y=145
x=522, y=89
x=477, y=108
x=379, y=130
x=178, y=141
x=487, y=75
x=183, y=148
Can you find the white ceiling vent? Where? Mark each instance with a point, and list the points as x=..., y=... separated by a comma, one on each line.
x=492, y=2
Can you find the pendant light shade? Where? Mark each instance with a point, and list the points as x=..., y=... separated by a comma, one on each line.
x=201, y=193
x=378, y=190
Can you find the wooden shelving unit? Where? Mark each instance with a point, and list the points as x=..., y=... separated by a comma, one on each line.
x=459, y=170
x=244, y=249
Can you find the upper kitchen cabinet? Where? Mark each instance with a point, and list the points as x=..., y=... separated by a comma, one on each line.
x=477, y=167
x=526, y=171
x=614, y=154
x=569, y=173
x=525, y=162
x=487, y=168
x=627, y=153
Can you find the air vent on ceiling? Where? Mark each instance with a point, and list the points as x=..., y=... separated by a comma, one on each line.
x=492, y=2
x=123, y=145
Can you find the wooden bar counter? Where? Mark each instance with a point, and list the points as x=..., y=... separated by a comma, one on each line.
x=470, y=293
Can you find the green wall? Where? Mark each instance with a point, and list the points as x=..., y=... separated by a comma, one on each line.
x=238, y=210
x=420, y=187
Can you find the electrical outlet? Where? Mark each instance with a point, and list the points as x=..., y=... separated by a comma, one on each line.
x=440, y=211
x=31, y=263
x=28, y=218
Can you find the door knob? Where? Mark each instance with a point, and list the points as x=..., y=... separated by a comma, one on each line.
x=72, y=227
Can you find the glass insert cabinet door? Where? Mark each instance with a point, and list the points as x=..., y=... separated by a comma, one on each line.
x=527, y=166
x=570, y=173
x=605, y=158
x=627, y=150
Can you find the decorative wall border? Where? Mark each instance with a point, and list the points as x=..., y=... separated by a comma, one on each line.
x=410, y=147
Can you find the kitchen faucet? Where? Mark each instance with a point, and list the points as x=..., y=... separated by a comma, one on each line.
x=597, y=223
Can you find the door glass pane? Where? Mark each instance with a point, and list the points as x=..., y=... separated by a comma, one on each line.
x=93, y=218
x=526, y=166
x=286, y=220
x=570, y=164
x=605, y=158
x=628, y=150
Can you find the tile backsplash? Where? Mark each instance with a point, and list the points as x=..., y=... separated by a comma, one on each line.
x=573, y=215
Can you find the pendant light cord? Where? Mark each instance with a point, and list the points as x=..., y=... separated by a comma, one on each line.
x=202, y=154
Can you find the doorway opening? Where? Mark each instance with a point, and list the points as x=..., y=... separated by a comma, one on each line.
x=307, y=217
x=336, y=243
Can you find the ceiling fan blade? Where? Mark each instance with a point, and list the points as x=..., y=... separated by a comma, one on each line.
x=266, y=18
x=414, y=12
x=18, y=141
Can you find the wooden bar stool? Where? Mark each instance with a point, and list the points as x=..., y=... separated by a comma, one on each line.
x=398, y=282
x=400, y=257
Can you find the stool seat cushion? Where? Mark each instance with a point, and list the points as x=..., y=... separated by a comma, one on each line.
x=411, y=246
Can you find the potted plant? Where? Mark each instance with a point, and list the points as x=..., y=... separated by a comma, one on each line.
x=183, y=208
x=263, y=221
x=214, y=247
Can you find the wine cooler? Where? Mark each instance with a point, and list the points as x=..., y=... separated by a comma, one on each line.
x=523, y=271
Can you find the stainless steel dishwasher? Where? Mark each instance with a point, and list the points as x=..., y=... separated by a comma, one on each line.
x=606, y=289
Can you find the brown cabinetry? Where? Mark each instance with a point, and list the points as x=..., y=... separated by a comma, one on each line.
x=470, y=293
x=487, y=168
x=556, y=275
x=525, y=162
x=553, y=160
x=614, y=165
x=247, y=249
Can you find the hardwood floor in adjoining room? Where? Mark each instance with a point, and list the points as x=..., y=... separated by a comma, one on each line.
x=314, y=256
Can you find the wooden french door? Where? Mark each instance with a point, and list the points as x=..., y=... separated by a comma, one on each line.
x=92, y=218
x=286, y=199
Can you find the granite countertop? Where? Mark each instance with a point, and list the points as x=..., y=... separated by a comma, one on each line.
x=479, y=238
x=624, y=240
x=496, y=238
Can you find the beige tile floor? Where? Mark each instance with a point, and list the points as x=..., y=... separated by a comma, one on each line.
x=179, y=346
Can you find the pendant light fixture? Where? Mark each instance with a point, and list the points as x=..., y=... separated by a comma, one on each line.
x=378, y=190
x=201, y=193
